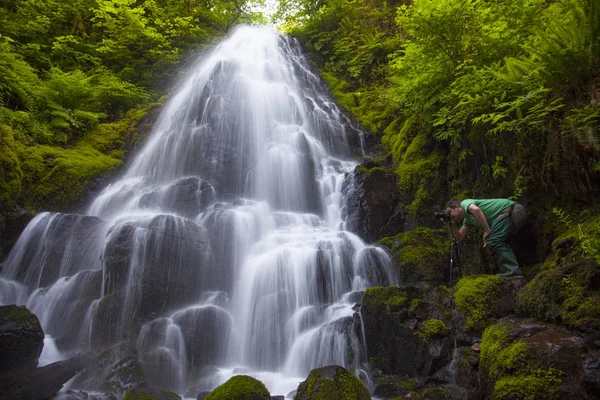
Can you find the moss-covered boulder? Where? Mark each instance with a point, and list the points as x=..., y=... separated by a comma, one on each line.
x=332, y=383
x=115, y=370
x=150, y=394
x=522, y=359
x=565, y=292
x=407, y=328
x=484, y=298
x=21, y=338
x=240, y=387
x=420, y=255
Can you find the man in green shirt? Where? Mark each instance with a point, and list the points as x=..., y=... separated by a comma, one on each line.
x=499, y=218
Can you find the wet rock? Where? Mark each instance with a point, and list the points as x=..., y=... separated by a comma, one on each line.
x=41, y=383
x=331, y=382
x=393, y=386
x=187, y=197
x=174, y=263
x=206, y=332
x=445, y=392
x=150, y=394
x=21, y=339
x=371, y=208
x=115, y=370
x=37, y=259
x=402, y=334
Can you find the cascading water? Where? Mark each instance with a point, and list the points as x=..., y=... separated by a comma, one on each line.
x=221, y=250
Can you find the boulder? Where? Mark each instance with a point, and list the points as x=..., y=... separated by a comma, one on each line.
x=44, y=382
x=54, y=245
x=187, y=197
x=523, y=358
x=206, y=332
x=332, y=382
x=21, y=339
x=407, y=329
x=114, y=370
x=240, y=387
x=150, y=394
x=371, y=207
x=175, y=265
x=421, y=255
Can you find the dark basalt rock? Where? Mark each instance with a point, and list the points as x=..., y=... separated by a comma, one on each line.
x=44, y=382
x=371, y=208
x=150, y=394
x=21, y=339
x=187, y=197
x=50, y=239
x=175, y=259
x=396, y=336
x=206, y=331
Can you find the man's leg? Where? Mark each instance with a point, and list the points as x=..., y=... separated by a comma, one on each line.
x=505, y=258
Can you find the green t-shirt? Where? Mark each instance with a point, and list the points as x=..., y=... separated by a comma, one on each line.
x=491, y=208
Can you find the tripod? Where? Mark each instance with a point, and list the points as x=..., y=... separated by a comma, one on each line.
x=456, y=250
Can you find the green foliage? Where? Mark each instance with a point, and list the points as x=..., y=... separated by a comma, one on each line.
x=497, y=99
x=514, y=369
x=477, y=299
x=240, y=387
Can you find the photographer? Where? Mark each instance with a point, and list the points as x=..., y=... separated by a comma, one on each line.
x=499, y=218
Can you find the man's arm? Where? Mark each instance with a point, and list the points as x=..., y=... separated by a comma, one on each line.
x=461, y=233
x=478, y=214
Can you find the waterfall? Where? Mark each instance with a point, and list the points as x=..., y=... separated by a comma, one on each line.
x=221, y=249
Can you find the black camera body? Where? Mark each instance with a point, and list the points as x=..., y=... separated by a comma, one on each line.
x=443, y=215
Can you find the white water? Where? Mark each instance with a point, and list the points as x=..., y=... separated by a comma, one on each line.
x=221, y=250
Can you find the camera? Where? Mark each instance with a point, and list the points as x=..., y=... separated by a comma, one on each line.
x=444, y=215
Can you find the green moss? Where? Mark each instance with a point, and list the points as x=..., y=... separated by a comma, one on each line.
x=516, y=371
x=529, y=387
x=432, y=328
x=53, y=177
x=240, y=387
x=11, y=175
x=420, y=254
x=563, y=293
x=378, y=295
x=368, y=171
x=20, y=316
x=477, y=299
x=343, y=386
x=419, y=176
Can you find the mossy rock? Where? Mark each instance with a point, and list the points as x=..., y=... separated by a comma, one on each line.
x=150, y=394
x=21, y=338
x=478, y=299
x=567, y=293
x=398, y=323
x=516, y=365
x=432, y=328
x=240, y=387
x=332, y=383
x=421, y=255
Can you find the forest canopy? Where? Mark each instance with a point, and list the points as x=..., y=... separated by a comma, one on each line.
x=477, y=98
